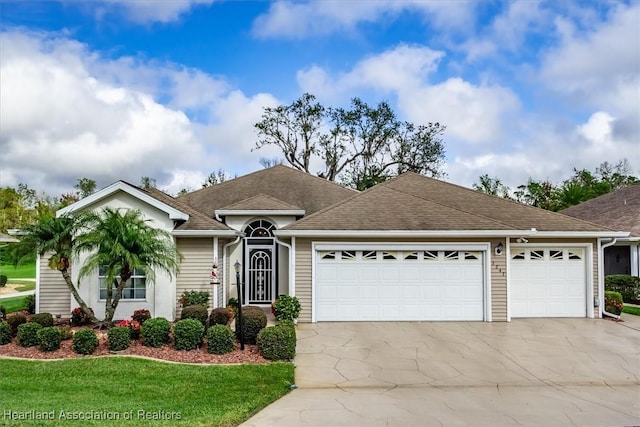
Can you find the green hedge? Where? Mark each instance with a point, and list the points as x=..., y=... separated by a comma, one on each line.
x=628, y=286
x=5, y=333
x=119, y=338
x=155, y=332
x=49, y=338
x=28, y=334
x=85, y=341
x=253, y=321
x=277, y=342
x=220, y=339
x=188, y=334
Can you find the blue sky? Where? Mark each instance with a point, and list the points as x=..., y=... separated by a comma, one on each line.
x=119, y=89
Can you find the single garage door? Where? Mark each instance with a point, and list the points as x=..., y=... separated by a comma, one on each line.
x=386, y=285
x=548, y=282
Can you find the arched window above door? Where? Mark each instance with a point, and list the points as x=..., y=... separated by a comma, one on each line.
x=259, y=228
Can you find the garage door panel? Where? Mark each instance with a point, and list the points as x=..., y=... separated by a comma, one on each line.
x=547, y=282
x=397, y=285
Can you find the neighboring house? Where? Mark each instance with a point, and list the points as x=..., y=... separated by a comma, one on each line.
x=413, y=248
x=619, y=210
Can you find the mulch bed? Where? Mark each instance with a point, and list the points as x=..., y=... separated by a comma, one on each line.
x=165, y=353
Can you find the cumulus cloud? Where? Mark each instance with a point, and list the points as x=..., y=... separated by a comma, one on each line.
x=149, y=11
x=290, y=19
x=66, y=115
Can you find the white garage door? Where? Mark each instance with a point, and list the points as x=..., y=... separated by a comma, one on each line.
x=388, y=285
x=548, y=282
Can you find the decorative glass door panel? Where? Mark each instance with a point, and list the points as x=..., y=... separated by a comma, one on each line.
x=261, y=276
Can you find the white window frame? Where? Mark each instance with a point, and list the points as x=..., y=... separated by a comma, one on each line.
x=130, y=283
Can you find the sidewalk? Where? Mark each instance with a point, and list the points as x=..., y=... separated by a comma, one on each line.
x=17, y=294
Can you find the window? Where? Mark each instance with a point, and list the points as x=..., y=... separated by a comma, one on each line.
x=451, y=255
x=328, y=255
x=410, y=255
x=348, y=255
x=136, y=287
x=555, y=255
x=471, y=255
x=536, y=255
x=519, y=254
x=574, y=255
x=430, y=255
x=369, y=255
x=389, y=255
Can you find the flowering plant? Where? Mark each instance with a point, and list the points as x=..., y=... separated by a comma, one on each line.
x=134, y=325
x=79, y=317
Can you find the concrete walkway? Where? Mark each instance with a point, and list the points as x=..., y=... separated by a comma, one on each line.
x=528, y=372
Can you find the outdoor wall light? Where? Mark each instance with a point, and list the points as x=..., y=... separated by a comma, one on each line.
x=498, y=249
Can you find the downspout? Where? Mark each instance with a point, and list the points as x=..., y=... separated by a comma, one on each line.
x=290, y=274
x=224, y=266
x=606, y=245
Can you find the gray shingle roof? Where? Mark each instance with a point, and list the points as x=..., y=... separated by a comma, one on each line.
x=619, y=210
x=261, y=202
x=290, y=186
x=415, y=202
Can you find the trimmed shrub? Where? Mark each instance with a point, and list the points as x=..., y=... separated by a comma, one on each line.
x=119, y=338
x=220, y=316
x=141, y=315
x=49, y=338
x=31, y=304
x=197, y=312
x=44, y=319
x=253, y=321
x=66, y=333
x=5, y=333
x=78, y=317
x=188, y=334
x=628, y=286
x=613, y=302
x=220, y=340
x=85, y=341
x=3, y=313
x=3, y=280
x=277, y=343
x=286, y=308
x=286, y=323
x=15, y=321
x=155, y=332
x=28, y=334
x=194, y=298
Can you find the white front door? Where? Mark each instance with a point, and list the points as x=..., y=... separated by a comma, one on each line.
x=395, y=285
x=548, y=282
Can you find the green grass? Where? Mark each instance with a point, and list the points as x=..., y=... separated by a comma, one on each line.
x=24, y=271
x=14, y=304
x=25, y=285
x=631, y=310
x=186, y=395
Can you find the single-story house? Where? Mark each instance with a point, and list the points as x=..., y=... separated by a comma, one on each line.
x=618, y=210
x=410, y=249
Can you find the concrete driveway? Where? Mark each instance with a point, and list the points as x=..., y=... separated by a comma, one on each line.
x=573, y=372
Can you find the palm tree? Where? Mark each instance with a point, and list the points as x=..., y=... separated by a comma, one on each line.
x=121, y=242
x=54, y=236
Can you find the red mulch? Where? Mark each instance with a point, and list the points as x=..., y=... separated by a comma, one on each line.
x=166, y=353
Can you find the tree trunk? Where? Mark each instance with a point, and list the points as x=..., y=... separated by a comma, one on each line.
x=110, y=308
x=83, y=305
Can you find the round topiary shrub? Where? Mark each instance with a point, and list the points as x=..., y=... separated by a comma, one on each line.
x=220, y=339
x=119, y=338
x=188, y=334
x=613, y=302
x=155, y=332
x=3, y=280
x=277, y=343
x=286, y=307
x=66, y=333
x=15, y=321
x=5, y=333
x=253, y=321
x=85, y=341
x=43, y=319
x=220, y=316
x=197, y=312
x=49, y=338
x=28, y=334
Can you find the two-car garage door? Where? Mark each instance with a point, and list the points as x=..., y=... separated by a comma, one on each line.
x=371, y=284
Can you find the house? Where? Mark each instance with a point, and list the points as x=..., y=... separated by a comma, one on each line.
x=618, y=210
x=412, y=248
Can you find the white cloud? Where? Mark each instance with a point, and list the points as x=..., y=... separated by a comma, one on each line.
x=74, y=114
x=144, y=11
x=313, y=18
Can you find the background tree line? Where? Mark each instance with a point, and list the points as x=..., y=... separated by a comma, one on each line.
x=580, y=187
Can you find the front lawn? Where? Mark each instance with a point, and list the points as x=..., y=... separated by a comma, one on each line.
x=631, y=310
x=23, y=271
x=121, y=391
x=14, y=304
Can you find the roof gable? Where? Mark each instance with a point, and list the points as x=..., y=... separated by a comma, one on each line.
x=619, y=210
x=414, y=202
x=261, y=202
x=132, y=190
x=281, y=183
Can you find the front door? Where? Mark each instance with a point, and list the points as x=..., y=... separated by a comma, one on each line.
x=260, y=263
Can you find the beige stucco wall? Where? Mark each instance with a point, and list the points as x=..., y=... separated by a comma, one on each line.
x=498, y=268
